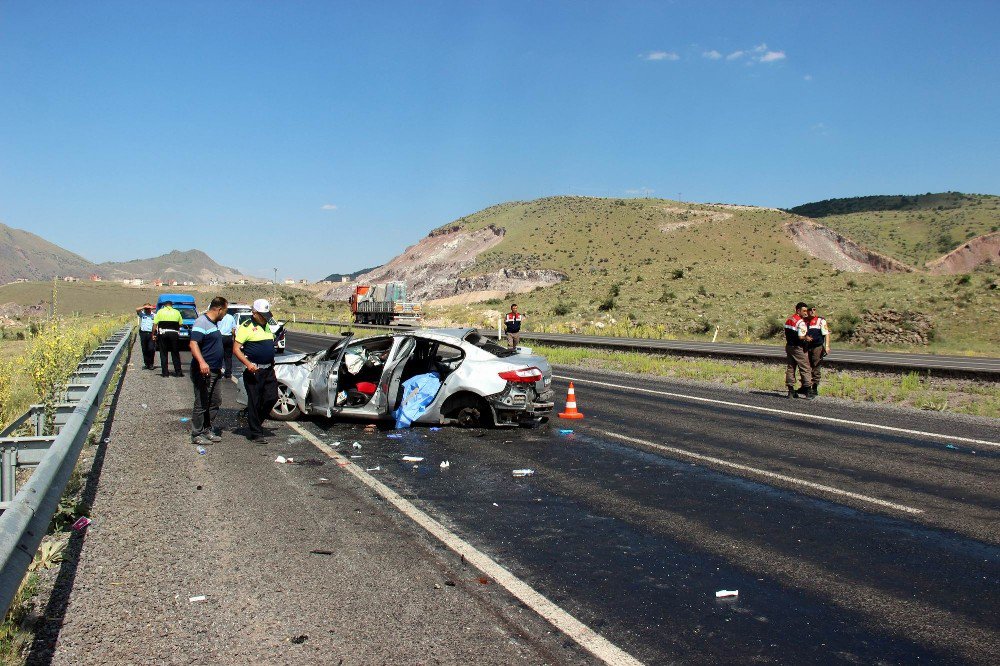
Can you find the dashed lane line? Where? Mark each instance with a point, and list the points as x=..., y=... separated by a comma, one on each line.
x=584, y=636
x=764, y=473
x=784, y=412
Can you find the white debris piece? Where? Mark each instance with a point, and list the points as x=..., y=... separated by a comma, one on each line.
x=145, y=406
x=445, y=464
x=200, y=597
x=336, y=444
x=374, y=469
x=523, y=472
x=412, y=459
x=281, y=460
x=356, y=445
x=726, y=593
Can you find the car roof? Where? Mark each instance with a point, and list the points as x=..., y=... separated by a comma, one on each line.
x=453, y=334
x=175, y=298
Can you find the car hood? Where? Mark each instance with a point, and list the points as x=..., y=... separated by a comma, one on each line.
x=285, y=359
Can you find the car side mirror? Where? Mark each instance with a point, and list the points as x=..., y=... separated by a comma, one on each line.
x=345, y=333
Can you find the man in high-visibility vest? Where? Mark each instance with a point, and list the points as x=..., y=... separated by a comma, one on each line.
x=819, y=346
x=796, y=340
x=166, y=335
x=253, y=346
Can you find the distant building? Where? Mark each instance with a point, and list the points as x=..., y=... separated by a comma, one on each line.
x=188, y=283
x=132, y=282
x=303, y=281
x=94, y=277
x=289, y=281
x=70, y=278
x=172, y=283
x=157, y=283
x=243, y=281
x=345, y=278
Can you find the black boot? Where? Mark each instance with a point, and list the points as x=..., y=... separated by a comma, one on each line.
x=792, y=393
x=807, y=393
x=816, y=389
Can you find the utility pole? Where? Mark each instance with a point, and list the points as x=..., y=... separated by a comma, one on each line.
x=274, y=286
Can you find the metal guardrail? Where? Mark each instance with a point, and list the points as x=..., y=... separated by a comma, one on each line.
x=940, y=365
x=27, y=512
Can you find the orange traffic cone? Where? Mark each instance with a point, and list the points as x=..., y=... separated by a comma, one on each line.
x=571, y=411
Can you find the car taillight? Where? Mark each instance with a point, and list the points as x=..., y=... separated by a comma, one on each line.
x=522, y=376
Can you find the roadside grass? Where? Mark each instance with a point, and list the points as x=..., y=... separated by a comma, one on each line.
x=910, y=390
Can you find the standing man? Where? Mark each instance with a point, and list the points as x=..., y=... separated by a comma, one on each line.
x=206, y=372
x=818, y=347
x=796, y=340
x=166, y=334
x=512, y=325
x=145, y=314
x=254, y=348
x=226, y=326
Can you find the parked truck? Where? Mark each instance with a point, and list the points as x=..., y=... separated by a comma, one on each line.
x=384, y=304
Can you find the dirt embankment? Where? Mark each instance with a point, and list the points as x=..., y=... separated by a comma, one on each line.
x=980, y=250
x=432, y=269
x=845, y=254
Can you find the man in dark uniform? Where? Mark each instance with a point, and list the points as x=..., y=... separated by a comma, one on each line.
x=146, y=334
x=819, y=346
x=512, y=326
x=166, y=334
x=796, y=340
x=253, y=346
x=206, y=373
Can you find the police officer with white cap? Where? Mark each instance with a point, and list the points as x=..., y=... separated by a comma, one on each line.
x=253, y=346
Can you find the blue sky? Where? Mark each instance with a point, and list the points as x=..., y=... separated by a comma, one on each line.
x=327, y=136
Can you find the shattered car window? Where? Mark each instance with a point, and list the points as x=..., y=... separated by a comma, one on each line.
x=488, y=345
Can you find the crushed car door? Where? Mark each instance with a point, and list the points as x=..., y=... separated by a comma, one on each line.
x=323, y=378
x=388, y=385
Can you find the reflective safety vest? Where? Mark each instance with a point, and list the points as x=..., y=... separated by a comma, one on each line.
x=257, y=341
x=817, y=331
x=795, y=330
x=168, y=319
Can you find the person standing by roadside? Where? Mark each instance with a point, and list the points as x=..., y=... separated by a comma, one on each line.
x=796, y=340
x=145, y=314
x=819, y=346
x=512, y=326
x=253, y=346
x=166, y=334
x=226, y=326
x=206, y=372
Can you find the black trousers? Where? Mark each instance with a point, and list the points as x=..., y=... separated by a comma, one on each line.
x=169, y=343
x=262, y=393
x=207, y=400
x=146, y=342
x=227, y=355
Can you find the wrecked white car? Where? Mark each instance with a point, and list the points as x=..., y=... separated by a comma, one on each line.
x=481, y=382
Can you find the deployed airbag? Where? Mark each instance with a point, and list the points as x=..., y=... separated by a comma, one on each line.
x=418, y=394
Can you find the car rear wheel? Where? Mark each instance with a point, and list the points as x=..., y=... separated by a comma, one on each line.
x=285, y=409
x=467, y=410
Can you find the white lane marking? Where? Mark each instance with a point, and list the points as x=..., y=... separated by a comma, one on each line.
x=586, y=637
x=800, y=415
x=764, y=473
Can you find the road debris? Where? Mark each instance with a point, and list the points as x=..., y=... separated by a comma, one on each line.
x=412, y=459
x=565, y=431
x=722, y=594
x=495, y=504
x=483, y=580
x=81, y=523
x=523, y=472
x=394, y=435
x=317, y=551
x=371, y=429
x=201, y=450
x=198, y=598
x=445, y=464
x=323, y=478
x=435, y=429
x=952, y=447
x=184, y=419
x=450, y=583
x=336, y=444
x=357, y=445
x=144, y=406
x=282, y=460
x=299, y=640
x=377, y=468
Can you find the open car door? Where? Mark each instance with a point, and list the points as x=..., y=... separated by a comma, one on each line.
x=389, y=384
x=323, y=378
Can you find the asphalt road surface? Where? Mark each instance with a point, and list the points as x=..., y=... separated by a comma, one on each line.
x=856, y=535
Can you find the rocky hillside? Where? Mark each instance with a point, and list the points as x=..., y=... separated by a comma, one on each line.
x=917, y=230
x=23, y=255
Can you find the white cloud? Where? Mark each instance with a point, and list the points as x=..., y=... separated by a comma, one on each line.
x=807, y=77
x=760, y=48
x=640, y=191
x=329, y=207
x=772, y=56
x=735, y=55
x=712, y=55
x=660, y=55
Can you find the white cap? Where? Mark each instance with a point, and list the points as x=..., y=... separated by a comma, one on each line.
x=262, y=305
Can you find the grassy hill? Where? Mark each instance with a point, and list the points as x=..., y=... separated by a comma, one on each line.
x=913, y=229
x=190, y=265
x=25, y=255
x=667, y=268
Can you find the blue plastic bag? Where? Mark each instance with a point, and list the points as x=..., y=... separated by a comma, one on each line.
x=418, y=394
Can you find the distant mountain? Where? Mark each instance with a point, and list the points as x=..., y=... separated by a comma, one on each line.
x=337, y=277
x=23, y=255
x=192, y=265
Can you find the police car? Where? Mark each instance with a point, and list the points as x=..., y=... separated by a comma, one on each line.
x=242, y=313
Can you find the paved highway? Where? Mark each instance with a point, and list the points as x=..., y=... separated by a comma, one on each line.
x=852, y=534
x=970, y=366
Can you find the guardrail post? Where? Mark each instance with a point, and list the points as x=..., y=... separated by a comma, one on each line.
x=8, y=475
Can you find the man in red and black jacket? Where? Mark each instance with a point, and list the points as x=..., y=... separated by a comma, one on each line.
x=512, y=327
x=796, y=343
